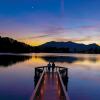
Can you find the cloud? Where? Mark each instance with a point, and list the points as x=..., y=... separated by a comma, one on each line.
x=90, y=27
x=74, y=39
x=49, y=32
x=34, y=37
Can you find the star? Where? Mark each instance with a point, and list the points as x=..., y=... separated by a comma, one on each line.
x=32, y=7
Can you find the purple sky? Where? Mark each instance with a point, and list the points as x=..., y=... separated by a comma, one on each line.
x=39, y=21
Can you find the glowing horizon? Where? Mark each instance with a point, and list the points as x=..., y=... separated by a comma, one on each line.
x=37, y=43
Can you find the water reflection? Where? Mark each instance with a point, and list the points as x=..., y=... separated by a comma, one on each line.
x=69, y=59
x=7, y=60
x=43, y=59
x=84, y=61
x=82, y=80
x=59, y=59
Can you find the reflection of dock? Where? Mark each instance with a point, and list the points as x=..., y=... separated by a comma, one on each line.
x=50, y=85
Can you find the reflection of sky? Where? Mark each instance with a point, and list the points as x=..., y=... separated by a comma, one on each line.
x=85, y=61
x=39, y=21
x=84, y=84
x=17, y=80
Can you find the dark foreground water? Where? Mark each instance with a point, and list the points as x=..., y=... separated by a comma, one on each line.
x=17, y=75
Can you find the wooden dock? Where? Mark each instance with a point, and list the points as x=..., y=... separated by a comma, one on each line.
x=50, y=85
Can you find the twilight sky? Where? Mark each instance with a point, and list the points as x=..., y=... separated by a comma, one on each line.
x=38, y=21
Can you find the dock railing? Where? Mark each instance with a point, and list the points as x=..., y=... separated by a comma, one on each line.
x=37, y=88
x=36, y=92
x=64, y=93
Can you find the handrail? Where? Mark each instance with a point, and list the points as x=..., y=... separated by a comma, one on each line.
x=60, y=67
x=41, y=67
x=47, y=66
x=63, y=87
x=37, y=87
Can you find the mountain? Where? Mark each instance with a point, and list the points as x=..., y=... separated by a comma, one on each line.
x=63, y=44
x=68, y=47
x=8, y=45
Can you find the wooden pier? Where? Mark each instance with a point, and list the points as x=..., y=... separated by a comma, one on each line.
x=50, y=85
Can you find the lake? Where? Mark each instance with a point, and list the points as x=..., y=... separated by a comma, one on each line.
x=17, y=74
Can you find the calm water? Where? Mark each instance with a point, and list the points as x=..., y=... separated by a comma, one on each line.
x=17, y=75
